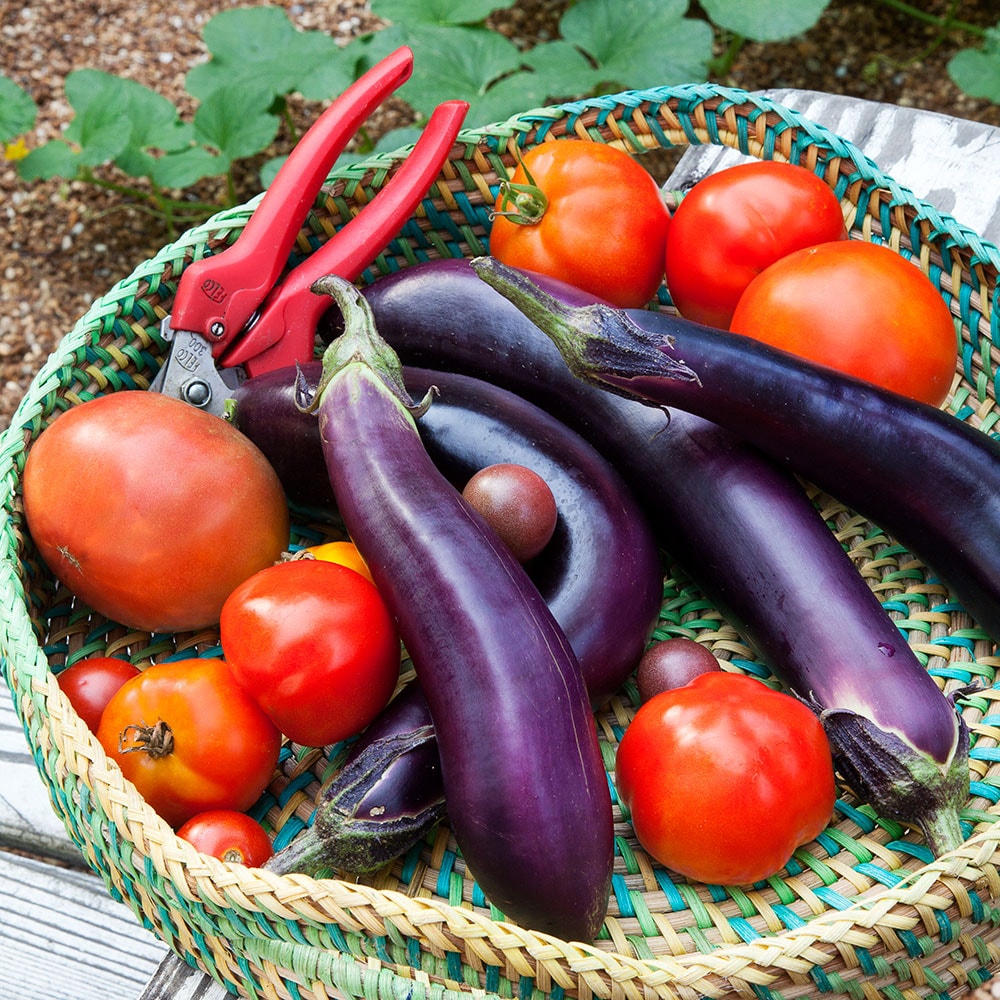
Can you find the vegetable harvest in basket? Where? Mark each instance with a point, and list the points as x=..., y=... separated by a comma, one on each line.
x=513, y=651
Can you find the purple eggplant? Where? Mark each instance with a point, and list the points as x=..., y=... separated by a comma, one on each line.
x=898, y=739
x=526, y=790
x=741, y=525
x=386, y=795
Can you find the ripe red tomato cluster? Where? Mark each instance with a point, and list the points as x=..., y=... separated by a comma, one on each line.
x=761, y=249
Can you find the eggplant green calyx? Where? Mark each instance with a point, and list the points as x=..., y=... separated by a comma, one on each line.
x=360, y=344
x=595, y=340
x=348, y=832
x=907, y=785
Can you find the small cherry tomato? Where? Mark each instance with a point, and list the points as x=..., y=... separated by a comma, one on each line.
x=672, y=663
x=734, y=223
x=190, y=739
x=342, y=552
x=724, y=778
x=517, y=504
x=860, y=308
x=588, y=214
x=229, y=836
x=315, y=645
x=90, y=684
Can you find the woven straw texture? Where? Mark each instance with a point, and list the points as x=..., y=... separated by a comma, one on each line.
x=864, y=911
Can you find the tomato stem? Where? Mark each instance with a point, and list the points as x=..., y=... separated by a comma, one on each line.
x=156, y=740
x=522, y=204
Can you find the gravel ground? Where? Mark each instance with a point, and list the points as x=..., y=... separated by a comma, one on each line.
x=64, y=244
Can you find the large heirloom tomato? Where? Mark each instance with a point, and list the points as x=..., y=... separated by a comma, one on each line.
x=588, y=214
x=724, y=777
x=150, y=510
x=315, y=645
x=860, y=308
x=734, y=223
x=190, y=739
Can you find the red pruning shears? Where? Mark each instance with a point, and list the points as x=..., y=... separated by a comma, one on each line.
x=230, y=316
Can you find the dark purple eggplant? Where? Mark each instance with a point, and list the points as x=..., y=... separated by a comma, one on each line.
x=600, y=574
x=742, y=527
x=875, y=451
x=386, y=795
x=527, y=795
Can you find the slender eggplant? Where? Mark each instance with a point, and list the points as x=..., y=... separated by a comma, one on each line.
x=600, y=576
x=527, y=794
x=740, y=524
x=875, y=451
x=386, y=795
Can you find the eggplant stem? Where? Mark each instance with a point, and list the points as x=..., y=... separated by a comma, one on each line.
x=359, y=344
x=594, y=340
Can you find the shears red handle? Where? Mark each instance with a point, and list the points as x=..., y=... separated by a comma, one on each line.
x=230, y=309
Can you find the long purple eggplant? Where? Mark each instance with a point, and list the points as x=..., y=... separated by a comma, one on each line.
x=872, y=449
x=527, y=794
x=739, y=523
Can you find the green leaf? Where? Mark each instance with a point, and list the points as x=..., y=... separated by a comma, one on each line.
x=181, y=169
x=765, y=20
x=261, y=47
x=437, y=12
x=654, y=46
x=977, y=71
x=236, y=122
x=54, y=159
x=18, y=112
x=459, y=63
x=100, y=127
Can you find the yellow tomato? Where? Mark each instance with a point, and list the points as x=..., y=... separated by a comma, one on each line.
x=344, y=553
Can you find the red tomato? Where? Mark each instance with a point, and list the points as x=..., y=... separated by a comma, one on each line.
x=190, y=739
x=342, y=552
x=724, y=777
x=588, y=214
x=150, y=510
x=858, y=307
x=90, y=684
x=229, y=836
x=734, y=223
x=314, y=643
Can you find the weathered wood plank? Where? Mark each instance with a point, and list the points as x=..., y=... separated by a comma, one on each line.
x=64, y=938
x=27, y=820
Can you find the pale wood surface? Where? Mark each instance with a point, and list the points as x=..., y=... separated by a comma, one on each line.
x=62, y=935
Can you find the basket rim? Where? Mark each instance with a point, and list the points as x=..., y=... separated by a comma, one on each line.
x=26, y=667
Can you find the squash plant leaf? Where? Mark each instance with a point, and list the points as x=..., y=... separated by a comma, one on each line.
x=235, y=122
x=460, y=63
x=977, y=71
x=186, y=167
x=18, y=112
x=438, y=13
x=629, y=53
x=262, y=48
x=765, y=20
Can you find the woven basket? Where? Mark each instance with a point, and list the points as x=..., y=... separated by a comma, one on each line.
x=863, y=911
